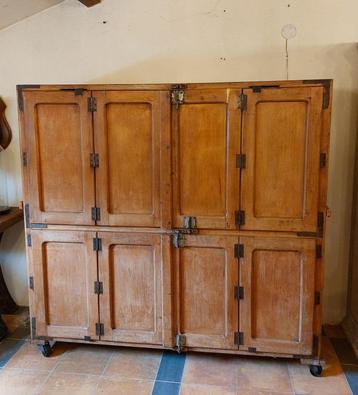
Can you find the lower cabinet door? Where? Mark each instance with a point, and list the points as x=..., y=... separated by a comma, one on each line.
x=130, y=268
x=64, y=269
x=278, y=277
x=206, y=273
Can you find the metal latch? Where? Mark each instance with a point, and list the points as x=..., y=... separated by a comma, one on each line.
x=180, y=342
x=177, y=95
x=178, y=239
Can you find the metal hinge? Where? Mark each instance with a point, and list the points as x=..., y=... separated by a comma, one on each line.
x=239, y=250
x=98, y=287
x=241, y=161
x=33, y=326
x=92, y=104
x=94, y=160
x=180, y=342
x=177, y=95
x=29, y=240
x=258, y=88
x=96, y=213
x=322, y=160
x=97, y=244
x=317, y=298
x=320, y=220
x=318, y=251
x=27, y=215
x=242, y=102
x=240, y=217
x=31, y=282
x=239, y=338
x=99, y=329
x=239, y=292
x=24, y=159
x=189, y=222
x=178, y=239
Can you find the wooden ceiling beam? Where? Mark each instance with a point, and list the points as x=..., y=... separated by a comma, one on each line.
x=90, y=3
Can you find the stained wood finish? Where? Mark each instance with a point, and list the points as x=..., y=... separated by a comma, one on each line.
x=65, y=269
x=5, y=130
x=206, y=273
x=127, y=138
x=130, y=267
x=59, y=141
x=281, y=140
x=278, y=275
x=206, y=139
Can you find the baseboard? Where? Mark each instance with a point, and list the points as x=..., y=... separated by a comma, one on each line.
x=350, y=326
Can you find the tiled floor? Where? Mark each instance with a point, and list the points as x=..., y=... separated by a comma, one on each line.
x=81, y=369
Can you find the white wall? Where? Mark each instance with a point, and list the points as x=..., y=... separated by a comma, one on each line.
x=185, y=41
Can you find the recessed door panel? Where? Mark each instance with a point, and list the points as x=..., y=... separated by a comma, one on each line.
x=206, y=274
x=128, y=135
x=281, y=141
x=278, y=276
x=130, y=268
x=206, y=139
x=59, y=132
x=65, y=269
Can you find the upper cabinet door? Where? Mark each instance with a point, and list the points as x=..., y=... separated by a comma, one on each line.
x=206, y=139
x=281, y=141
x=58, y=132
x=129, y=131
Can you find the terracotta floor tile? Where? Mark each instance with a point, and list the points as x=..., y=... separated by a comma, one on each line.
x=85, y=359
x=334, y=331
x=260, y=374
x=332, y=382
x=69, y=384
x=194, y=389
x=206, y=369
x=29, y=357
x=115, y=386
x=134, y=364
x=19, y=381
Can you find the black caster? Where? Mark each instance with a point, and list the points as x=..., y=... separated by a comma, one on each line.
x=45, y=349
x=316, y=370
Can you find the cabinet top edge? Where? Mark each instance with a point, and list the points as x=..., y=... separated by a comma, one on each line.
x=168, y=86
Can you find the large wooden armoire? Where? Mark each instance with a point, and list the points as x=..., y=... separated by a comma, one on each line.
x=177, y=216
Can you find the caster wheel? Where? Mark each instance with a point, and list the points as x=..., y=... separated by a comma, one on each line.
x=45, y=349
x=316, y=370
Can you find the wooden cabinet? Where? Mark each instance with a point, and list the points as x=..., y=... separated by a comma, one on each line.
x=177, y=216
x=206, y=274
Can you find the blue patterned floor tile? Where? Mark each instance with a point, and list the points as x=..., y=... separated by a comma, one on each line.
x=8, y=349
x=171, y=367
x=165, y=388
